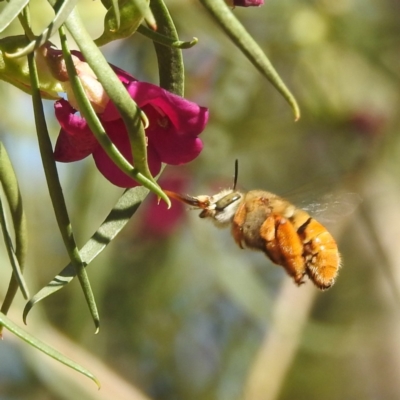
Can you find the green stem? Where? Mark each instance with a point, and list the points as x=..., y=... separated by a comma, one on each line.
x=17, y=272
x=170, y=60
x=127, y=108
x=56, y=193
x=165, y=40
x=13, y=195
x=131, y=200
x=243, y=40
x=44, y=348
x=93, y=120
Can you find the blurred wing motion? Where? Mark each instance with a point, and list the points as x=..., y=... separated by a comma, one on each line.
x=288, y=235
x=331, y=207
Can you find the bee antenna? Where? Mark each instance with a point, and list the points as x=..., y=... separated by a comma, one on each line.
x=235, y=177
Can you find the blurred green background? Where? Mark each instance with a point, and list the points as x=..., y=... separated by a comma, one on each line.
x=186, y=314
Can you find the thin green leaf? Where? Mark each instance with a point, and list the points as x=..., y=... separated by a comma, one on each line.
x=243, y=40
x=126, y=206
x=56, y=193
x=17, y=272
x=115, y=8
x=12, y=193
x=112, y=5
x=10, y=12
x=170, y=60
x=43, y=347
x=165, y=40
x=61, y=15
x=143, y=7
x=127, y=108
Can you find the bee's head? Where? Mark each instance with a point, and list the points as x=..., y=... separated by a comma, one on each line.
x=221, y=207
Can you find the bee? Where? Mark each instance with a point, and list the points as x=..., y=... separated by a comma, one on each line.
x=263, y=221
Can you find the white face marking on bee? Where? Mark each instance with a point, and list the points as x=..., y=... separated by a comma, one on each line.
x=222, y=207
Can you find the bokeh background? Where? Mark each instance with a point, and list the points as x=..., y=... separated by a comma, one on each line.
x=186, y=314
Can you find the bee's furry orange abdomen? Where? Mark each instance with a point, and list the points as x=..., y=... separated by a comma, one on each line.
x=321, y=254
x=288, y=236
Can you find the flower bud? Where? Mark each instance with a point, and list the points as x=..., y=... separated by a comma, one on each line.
x=93, y=88
x=16, y=70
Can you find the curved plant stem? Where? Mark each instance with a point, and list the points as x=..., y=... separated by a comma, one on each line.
x=43, y=347
x=127, y=205
x=170, y=61
x=165, y=40
x=127, y=108
x=119, y=216
x=56, y=194
x=12, y=193
x=243, y=40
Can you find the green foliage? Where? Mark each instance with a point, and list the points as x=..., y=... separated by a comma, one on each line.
x=185, y=314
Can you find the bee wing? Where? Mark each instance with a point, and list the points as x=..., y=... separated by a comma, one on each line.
x=330, y=207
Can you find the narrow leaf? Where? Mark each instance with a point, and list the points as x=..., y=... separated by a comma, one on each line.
x=243, y=40
x=138, y=140
x=165, y=40
x=170, y=60
x=126, y=206
x=10, y=12
x=17, y=272
x=129, y=111
x=61, y=15
x=115, y=8
x=56, y=193
x=43, y=347
x=144, y=9
x=12, y=194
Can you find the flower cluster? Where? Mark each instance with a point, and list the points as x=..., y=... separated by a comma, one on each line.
x=172, y=134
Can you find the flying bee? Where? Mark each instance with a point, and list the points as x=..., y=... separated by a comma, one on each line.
x=288, y=235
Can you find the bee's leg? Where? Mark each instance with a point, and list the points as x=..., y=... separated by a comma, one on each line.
x=284, y=246
x=237, y=225
x=268, y=233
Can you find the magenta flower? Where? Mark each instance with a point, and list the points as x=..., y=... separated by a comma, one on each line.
x=172, y=134
x=246, y=3
x=157, y=220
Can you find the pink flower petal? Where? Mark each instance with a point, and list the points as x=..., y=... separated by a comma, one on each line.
x=173, y=147
x=175, y=150
x=157, y=220
x=111, y=113
x=174, y=126
x=248, y=3
x=76, y=140
x=123, y=76
x=186, y=116
x=66, y=152
x=117, y=133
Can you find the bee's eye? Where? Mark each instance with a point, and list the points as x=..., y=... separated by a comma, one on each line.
x=230, y=198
